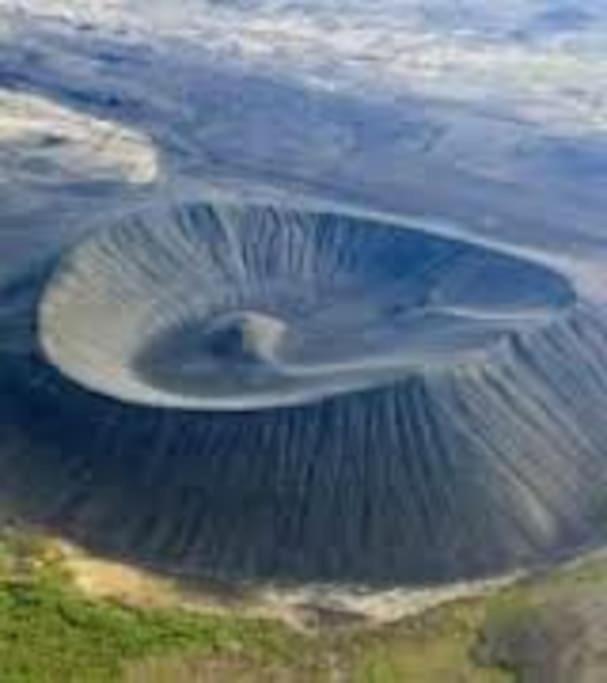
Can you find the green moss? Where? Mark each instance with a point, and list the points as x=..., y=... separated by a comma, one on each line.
x=430, y=649
x=50, y=634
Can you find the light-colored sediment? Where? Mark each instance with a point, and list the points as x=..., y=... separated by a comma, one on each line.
x=300, y=607
x=45, y=141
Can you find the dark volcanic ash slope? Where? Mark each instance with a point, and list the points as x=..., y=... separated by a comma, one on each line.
x=251, y=392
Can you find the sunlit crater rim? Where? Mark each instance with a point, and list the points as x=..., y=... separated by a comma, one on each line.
x=215, y=306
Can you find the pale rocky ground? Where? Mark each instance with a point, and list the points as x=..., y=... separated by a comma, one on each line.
x=571, y=591
x=42, y=140
x=302, y=607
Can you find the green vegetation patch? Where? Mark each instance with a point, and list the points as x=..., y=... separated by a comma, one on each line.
x=435, y=647
x=50, y=634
